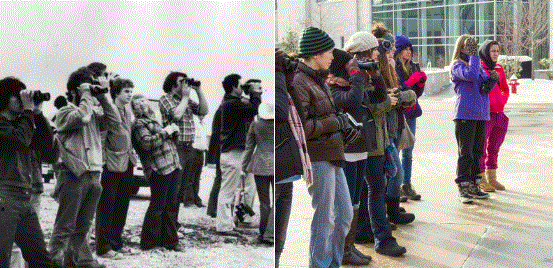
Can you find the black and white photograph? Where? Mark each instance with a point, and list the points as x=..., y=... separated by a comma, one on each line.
x=137, y=134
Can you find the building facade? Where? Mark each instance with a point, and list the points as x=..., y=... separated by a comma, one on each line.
x=432, y=25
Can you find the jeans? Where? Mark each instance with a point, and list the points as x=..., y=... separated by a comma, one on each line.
x=496, y=129
x=19, y=223
x=407, y=154
x=112, y=209
x=263, y=183
x=355, y=176
x=78, y=200
x=376, y=183
x=283, y=207
x=470, y=136
x=189, y=173
x=161, y=220
x=393, y=183
x=332, y=217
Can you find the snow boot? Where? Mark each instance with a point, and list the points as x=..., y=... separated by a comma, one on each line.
x=352, y=256
x=492, y=180
x=484, y=185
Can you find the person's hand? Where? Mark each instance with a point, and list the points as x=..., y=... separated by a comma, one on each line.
x=494, y=75
x=352, y=65
x=393, y=98
x=472, y=46
x=423, y=78
x=342, y=121
x=27, y=101
x=413, y=79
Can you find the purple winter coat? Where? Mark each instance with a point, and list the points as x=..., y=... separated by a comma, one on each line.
x=467, y=81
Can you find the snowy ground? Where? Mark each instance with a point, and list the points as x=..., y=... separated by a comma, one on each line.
x=203, y=246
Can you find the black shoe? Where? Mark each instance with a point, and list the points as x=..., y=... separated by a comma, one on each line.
x=177, y=248
x=464, y=195
x=403, y=199
x=392, y=249
x=475, y=191
x=198, y=203
x=394, y=215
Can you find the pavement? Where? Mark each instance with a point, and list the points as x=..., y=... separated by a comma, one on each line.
x=513, y=228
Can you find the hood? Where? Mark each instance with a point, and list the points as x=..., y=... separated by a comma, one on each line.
x=484, y=53
x=402, y=42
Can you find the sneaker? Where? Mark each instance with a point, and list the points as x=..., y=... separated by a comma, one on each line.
x=464, y=195
x=475, y=191
x=408, y=192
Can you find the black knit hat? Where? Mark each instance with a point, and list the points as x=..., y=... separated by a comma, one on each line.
x=337, y=66
x=314, y=41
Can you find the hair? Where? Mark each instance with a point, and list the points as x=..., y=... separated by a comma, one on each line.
x=78, y=77
x=388, y=72
x=117, y=85
x=253, y=81
x=60, y=102
x=459, y=45
x=97, y=68
x=230, y=82
x=379, y=30
x=171, y=81
x=405, y=66
x=9, y=86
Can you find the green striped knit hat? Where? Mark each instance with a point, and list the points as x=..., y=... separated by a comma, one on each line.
x=314, y=41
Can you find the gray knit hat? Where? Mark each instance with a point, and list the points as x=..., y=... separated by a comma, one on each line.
x=314, y=41
x=361, y=41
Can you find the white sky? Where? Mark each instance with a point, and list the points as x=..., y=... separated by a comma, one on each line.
x=43, y=42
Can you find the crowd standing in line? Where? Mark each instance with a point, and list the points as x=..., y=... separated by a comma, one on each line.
x=342, y=117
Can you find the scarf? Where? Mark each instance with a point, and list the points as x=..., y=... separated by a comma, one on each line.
x=297, y=129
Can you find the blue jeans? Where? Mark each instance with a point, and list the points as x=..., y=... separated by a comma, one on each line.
x=355, y=175
x=332, y=217
x=393, y=183
x=407, y=154
x=376, y=182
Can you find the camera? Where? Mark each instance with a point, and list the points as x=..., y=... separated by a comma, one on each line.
x=97, y=90
x=39, y=97
x=243, y=209
x=193, y=82
x=384, y=46
x=368, y=65
x=289, y=64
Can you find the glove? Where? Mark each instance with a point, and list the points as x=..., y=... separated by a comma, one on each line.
x=422, y=80
x=494, y=75
x=414, y=78
x=471, y=46
x=351, y=135
x=342, y=121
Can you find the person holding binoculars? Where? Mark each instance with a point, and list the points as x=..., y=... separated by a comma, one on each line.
x=78, y=126
x=364, y=46
x=177, y=108
x=410, y=77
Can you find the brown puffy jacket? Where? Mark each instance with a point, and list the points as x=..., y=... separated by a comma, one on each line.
x=325, y=141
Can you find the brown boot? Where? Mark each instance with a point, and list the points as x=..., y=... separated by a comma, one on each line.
x=492, y=180
x=351, y=254
x=484, y=185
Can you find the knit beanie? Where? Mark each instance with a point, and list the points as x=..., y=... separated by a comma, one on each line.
x=337, y=67
x=402, y=42
x=314, y=41
x=360, y=41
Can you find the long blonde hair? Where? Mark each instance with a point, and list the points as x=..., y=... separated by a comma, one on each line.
x=405, y=66
x=388, y=72
x=459, y=45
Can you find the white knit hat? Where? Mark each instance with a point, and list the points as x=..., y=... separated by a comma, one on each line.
x=361, y=41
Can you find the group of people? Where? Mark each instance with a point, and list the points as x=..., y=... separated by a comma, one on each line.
x=344, y=117
x=100, y=132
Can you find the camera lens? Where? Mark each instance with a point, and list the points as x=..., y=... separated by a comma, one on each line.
x=384, y=46
x=368, y=65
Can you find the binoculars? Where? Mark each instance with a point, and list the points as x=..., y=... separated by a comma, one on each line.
x=97, y=90
x=39, y=97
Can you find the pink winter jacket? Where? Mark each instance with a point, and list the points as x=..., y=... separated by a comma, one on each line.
x=500, y=93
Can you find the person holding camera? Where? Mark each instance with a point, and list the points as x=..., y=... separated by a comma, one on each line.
x=79, y=125
x=364, y=46
x=496, y=128
x=26, y=140
x=236, y=114
x=177, y=108
x=117, y=177
x=159, y=157
x=326, y=132
x=410, y=77
x=472, y=110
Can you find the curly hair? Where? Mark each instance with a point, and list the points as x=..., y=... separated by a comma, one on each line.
x=9, y=86
x=379, y=30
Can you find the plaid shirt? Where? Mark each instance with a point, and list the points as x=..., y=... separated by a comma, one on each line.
x=156, y=150
x=167, y=105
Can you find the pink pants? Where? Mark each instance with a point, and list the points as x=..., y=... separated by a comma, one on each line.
x=496, y=129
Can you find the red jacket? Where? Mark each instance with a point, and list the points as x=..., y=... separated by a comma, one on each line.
x=500, y=93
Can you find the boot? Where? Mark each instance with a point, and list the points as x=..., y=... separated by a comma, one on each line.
x=407, y=191
x=352, y=256
x=394, y=215
x=391, y=249
x=484, y=185
x=492, y=180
